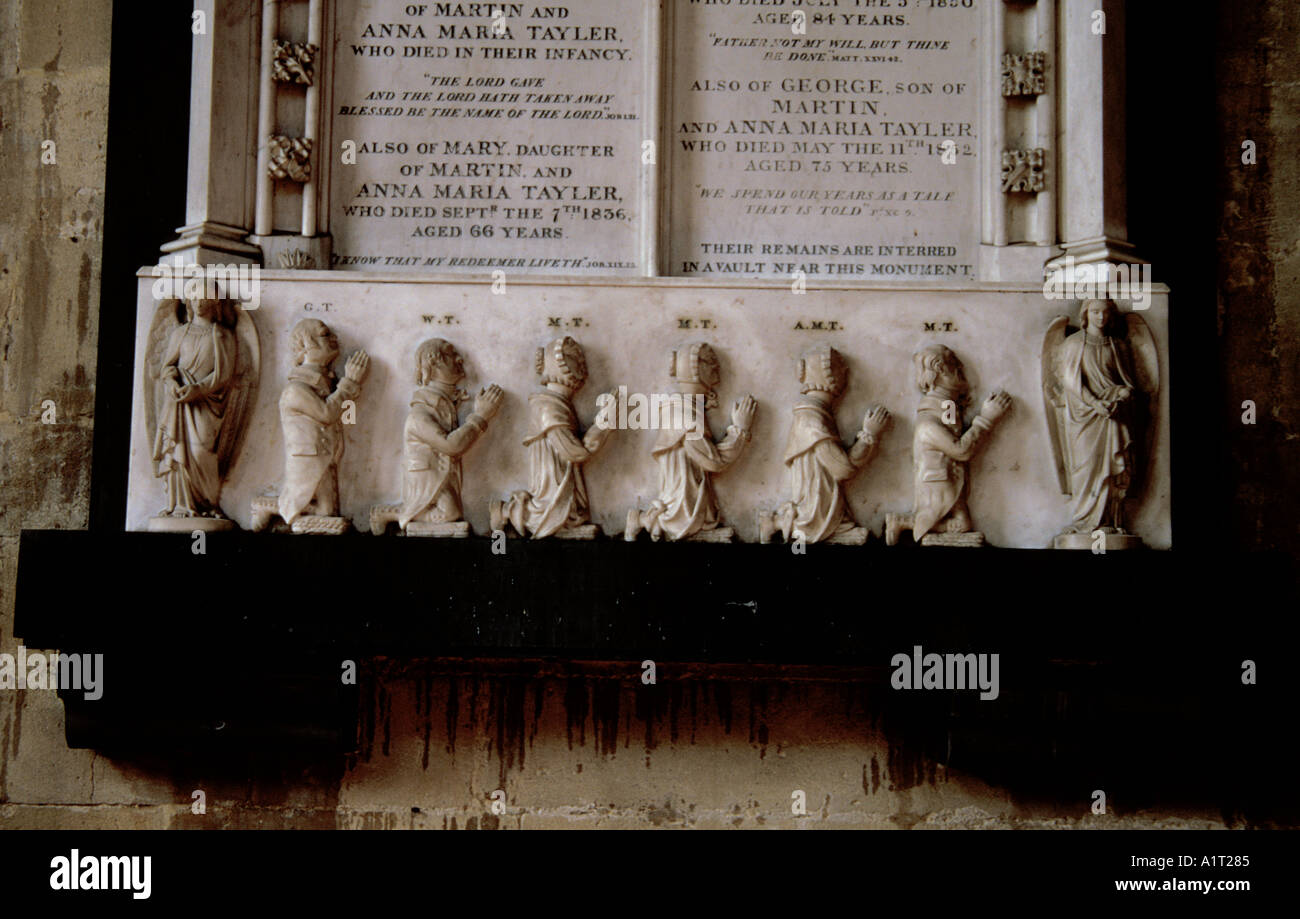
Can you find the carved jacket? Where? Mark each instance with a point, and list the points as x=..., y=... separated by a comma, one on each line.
x=940, y=452
x=557, y=492
x=313, y=433
x=431, y=435
x=819, y=465
x=688, y=458
x=433, y=448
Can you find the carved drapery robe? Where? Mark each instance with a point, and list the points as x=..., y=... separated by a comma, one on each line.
x=819, y=467
x=185, y=447
x=434, y=445
x=1098, y=448
x=311, y=419
x=687, y=458
x=557, y=492
x=941, y=454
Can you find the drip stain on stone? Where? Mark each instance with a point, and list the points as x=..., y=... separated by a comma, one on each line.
x=507, y=701
x=575, y=709
x=386, y=712
x=453, y=714
x=605, y=715
x=424, y=708
x=722, y=700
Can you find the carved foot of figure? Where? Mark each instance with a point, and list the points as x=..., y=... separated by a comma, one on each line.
x=166, y=524
x=382, y=515
x=497, y=516
x=632, y=529
x=717, y=534
x=314, y=525
x=895, y=524
x=971, y=540
x=586, y=531
x=1110, y=541
x=457, y=530
x=857, y=536
x=264, y=510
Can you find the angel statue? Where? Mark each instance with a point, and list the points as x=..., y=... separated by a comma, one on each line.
x=688, y=458
x=201, y=372
x=1098, y=386
x=820, y=463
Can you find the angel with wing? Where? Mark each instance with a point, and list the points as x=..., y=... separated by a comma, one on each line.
x=201, y=369
x=1097, y=386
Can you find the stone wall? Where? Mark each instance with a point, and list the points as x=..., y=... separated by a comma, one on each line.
x=1259, y=269
x=54, y=64
x=569, y=748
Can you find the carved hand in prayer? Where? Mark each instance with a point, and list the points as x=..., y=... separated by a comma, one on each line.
x=875, y=421
x=357, y=367
x=996, y=406
x=488, y=401
x=742, y=414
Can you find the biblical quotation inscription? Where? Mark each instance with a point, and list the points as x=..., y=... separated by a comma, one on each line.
x=477, y=137
x=834, y=138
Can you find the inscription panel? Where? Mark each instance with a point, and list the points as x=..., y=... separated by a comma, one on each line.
x=836, y=139
x=489, y=136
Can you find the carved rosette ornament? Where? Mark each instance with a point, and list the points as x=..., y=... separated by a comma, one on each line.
x=555, y=503
x=290, y=158
x=820, y=464
x=1024, y=74
x=1024, y=170
x=1099, y=386
x=687, y=456
x=434, y=442
x=312, y=411
x=293, y=62
x=942, y=448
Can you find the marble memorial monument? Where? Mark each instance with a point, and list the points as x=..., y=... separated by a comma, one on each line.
x=777, y=180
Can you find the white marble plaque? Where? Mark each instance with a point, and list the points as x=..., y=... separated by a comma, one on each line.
x=489, y=136
x=834, y=138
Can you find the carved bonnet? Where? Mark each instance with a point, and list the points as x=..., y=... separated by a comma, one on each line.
x=697, y=364
x=823, y=369
x=563, y=362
